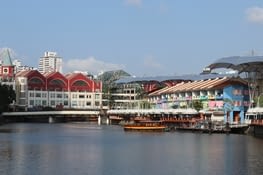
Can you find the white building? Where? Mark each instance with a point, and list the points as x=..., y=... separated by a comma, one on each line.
x=19, y=67
x=50, y=62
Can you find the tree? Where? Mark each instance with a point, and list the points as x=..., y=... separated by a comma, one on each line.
x=197, y=105
x=7, y=96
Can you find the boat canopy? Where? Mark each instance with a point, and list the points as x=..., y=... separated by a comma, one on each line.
x=153, y=111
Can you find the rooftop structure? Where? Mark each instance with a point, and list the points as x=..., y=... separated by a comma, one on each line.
x=251, y=66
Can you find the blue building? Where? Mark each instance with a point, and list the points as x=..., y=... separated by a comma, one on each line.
x=224, y=99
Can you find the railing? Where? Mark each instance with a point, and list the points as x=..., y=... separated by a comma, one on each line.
x=258, y=122
x=165, y=119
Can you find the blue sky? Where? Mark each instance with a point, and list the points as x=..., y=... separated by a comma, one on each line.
x=143, y=37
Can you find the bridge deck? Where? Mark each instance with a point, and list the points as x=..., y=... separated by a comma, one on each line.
x=50, y=113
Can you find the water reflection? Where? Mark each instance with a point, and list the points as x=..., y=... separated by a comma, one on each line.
x=90, y=149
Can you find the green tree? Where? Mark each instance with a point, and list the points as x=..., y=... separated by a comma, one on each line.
x=197, y=105
x=7, y=96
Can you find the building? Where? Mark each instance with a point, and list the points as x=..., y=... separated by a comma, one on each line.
x=50, y=62
x=19, y=67
x=222, y=99
x=36, y=91
x=6, y=67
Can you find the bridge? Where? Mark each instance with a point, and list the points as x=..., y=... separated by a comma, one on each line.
x=53, y=116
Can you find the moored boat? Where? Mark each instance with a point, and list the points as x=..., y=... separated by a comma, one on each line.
x=146, y=126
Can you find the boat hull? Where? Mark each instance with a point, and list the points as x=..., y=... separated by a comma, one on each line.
x=146, y=129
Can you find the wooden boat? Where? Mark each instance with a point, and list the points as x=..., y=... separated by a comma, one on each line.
x=146, y=126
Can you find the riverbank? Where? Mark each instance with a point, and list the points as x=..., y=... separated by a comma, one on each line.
x=1, y=120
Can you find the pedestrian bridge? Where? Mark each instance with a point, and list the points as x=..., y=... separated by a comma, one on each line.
x=53, y=116
x=51, y=113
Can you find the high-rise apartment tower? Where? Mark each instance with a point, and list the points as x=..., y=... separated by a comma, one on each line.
x=50, y=62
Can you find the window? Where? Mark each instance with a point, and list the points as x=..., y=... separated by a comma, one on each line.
x=38, y=94
x=52, y=103
x=5, y=71
x=44, y=102
x=88, y=103
x=31, y=102
x=59, y=95
x=38, y=103
x=237, y=92
x=65, y=103
x=81, y=96
x=74, y=103
x=246, y=92
x=22, y=95
x=237, y=103
x=97, y=103
x=97, y=96
x=52, y=95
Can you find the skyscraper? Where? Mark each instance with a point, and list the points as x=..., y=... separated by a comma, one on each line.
x=50, y=62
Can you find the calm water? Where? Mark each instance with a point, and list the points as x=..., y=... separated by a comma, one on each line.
x=107, y=150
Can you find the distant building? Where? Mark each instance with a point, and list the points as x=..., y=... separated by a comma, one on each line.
x=50, y=62
x=6, y=67
x=35, y=91
x=19, y=67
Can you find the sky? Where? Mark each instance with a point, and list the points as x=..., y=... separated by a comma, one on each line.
x=142, y=37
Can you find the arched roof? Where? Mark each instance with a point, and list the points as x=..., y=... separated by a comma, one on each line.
x=78, y=81
x=239, y=63
x=57, y=79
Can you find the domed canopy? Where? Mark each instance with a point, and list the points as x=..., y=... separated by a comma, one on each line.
x=239, y=63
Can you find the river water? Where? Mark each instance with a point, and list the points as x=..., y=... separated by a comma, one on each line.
x=85, y=148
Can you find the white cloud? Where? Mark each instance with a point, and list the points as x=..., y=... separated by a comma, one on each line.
x=90, y=64
x=255, y=14
x=150, y=62
x=136, y=3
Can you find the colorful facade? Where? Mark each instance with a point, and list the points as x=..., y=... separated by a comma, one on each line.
x=36, y=91
x=222, y=99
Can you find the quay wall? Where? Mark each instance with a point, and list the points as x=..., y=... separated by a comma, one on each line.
x=258, y=130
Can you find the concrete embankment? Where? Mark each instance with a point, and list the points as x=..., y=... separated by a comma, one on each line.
x=1, y=120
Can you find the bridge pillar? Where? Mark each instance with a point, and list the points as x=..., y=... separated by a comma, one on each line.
x=107, y=121
x=99, y=120
x=50, y=119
